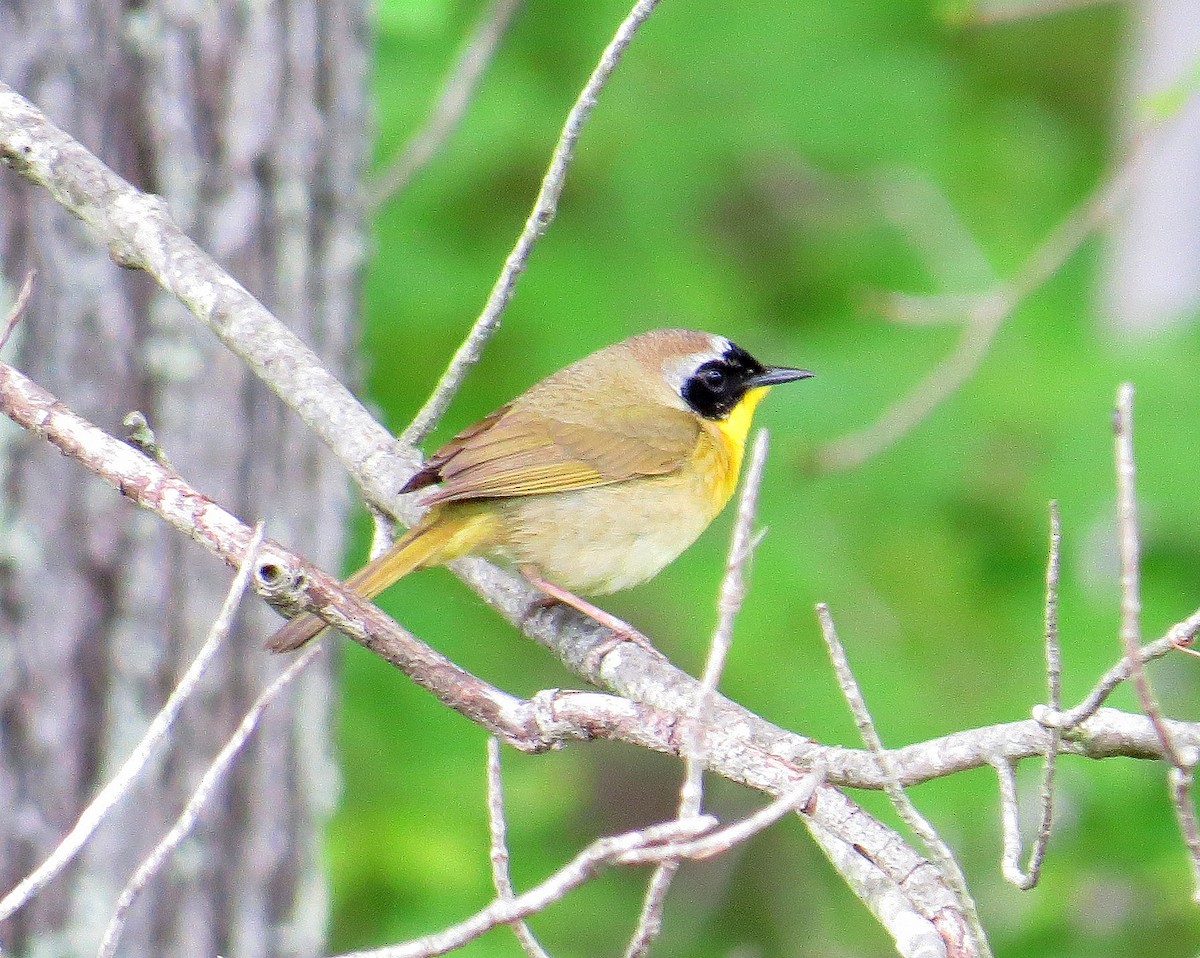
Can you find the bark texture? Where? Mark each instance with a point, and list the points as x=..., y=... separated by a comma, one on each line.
x=250, y=120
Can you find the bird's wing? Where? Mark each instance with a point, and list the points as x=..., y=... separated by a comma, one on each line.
x=518, y=451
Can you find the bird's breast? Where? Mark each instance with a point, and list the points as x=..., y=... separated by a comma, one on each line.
x=606, y=538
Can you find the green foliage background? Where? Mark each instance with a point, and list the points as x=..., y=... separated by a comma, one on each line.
x=749, y=171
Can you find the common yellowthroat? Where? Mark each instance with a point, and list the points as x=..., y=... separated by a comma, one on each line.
x=593, y=479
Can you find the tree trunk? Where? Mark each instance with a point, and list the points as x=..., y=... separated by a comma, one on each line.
x=250, y=120
x=1151, y=280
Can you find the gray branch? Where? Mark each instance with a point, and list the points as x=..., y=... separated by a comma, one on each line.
x=140, y=234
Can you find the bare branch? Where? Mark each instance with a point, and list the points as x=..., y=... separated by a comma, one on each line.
x=1128, y=541
x=280, y=576
x=724, y=839
x=1010, y=863
x=191, y=812
x=18, y=308
x=540, y=217
x=892, y=785
x=696, y=837
x=602, y=853
x=451, y=105
x=138, y=230
x=1181, y=634
x=140, y=234
x=1181, y=781
x=498, y=827
x=729, y=603
x=1054, y=687
x=1131, y=631
x=1050, y=617
x=159, y=728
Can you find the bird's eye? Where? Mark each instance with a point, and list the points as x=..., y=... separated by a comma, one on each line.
x=713, y=390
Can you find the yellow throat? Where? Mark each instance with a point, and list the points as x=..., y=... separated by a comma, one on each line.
x=733, y=430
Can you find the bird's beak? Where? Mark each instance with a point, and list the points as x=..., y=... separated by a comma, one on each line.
x=774, y=375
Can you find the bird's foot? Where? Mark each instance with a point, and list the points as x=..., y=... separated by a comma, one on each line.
x=621, y=630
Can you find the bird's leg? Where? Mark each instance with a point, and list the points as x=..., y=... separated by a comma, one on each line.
x=623, y=631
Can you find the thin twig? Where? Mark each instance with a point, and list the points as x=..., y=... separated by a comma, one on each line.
x=984, y=315
x=1183, y=760
x=200, y=797
x=600, y=854
x=1005, y=768
x=724, y=839
x=1129, y=547
x=540, y=217
x=729, y=602
x=450, y=106
x=693, y=838
x=730, y=599
x=1010, y=823
x=940, y=851
x=159, y=728
x=1050, y=618
x=1182, y=633
x=649, y=923
x=1181, y=782
x=18, y=308
x=1054, y=688
x=498, y=827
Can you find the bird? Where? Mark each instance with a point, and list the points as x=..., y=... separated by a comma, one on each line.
x=592, y=480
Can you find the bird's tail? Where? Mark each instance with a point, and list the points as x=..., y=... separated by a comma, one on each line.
x=434, y=540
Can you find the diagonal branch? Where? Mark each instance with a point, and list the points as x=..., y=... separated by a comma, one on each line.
x=140, y=234
x=696, y=837
x=138, y=230
x=908, y=812
x=1180, y=635
x=279, y=576
x=545, y=206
